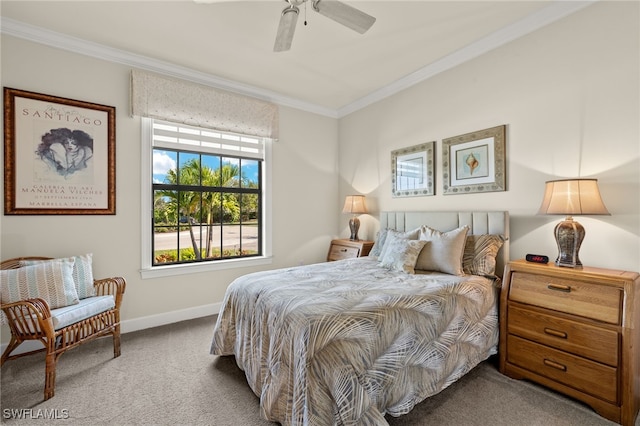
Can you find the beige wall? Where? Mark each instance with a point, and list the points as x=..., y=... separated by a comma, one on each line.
x=304, y=176
x=569, y=95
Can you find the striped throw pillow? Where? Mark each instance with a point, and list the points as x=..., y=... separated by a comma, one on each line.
x=82, y=273
x=51, y=281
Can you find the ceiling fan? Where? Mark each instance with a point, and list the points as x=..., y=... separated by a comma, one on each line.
x=340, y=12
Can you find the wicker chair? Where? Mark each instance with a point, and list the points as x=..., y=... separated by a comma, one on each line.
x=31, y=319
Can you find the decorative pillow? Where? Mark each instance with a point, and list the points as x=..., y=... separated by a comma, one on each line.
x=480, y=253
x=82, y=273
x=381, y=237
x=51, y=281
x=393, y=234
x=444, y=250
x=402, y=255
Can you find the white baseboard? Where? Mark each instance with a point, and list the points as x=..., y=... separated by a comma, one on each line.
x=137, y=324
x=164, y=318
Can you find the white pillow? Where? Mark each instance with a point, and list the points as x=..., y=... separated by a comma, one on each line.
x=402, y=255
x=51, y=281
x=444, y=250
x=391, y=235
x=378, y=244
x=82, y=273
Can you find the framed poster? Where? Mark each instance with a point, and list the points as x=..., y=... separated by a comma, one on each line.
x=412, y=170
x=474, y=162
x=59, y=155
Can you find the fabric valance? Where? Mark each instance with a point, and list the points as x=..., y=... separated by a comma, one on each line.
x=157, y=96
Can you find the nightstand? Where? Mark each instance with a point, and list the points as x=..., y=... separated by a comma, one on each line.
x=347, y=249
x=576, y=331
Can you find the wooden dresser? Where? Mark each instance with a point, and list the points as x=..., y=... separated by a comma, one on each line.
x=576, y=331
x=347, y=249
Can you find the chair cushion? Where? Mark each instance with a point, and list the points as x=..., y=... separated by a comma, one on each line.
x=51, y=281
x=82, y=273
x=86, y=308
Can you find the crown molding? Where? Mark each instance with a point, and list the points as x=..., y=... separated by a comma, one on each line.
x=555, y=11
x=83, y=47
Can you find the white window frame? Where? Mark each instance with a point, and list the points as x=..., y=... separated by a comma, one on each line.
x=149, y=271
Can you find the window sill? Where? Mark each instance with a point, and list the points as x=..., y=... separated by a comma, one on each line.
x=192, y=268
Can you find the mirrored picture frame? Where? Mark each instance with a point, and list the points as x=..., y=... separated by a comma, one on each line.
x=413, y=170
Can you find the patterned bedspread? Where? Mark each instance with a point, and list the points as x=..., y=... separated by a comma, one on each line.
x=346, y=342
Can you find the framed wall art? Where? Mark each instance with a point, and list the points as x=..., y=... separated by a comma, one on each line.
x=474, y=162
x=59, y=155
x=412, y=170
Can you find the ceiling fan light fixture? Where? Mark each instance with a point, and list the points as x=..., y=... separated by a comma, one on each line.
x=286, y=28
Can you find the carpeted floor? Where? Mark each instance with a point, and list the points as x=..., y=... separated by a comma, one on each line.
x=166, y=376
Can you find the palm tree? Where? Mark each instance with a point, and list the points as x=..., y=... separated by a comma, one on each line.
x=208, y=206
x=219, y=204
x=186, y=203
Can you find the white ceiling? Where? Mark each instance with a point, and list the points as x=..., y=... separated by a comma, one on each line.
x=330, y=69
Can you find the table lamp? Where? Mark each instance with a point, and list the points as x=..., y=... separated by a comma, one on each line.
x=354, y=204
x=571, y=197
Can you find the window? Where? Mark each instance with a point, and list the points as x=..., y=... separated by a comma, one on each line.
x=206, y=193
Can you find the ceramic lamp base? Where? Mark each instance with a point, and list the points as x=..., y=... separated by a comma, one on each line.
x=569, y=235
x=354, y=225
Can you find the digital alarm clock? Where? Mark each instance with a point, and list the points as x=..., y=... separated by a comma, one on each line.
x=537, y=258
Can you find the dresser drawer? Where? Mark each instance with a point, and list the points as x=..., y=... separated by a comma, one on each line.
x=596, y=343
x=582, y=298
x=586, y=376
x=339, y=252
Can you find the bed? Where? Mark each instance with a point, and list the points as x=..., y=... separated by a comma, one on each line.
x=348, y=342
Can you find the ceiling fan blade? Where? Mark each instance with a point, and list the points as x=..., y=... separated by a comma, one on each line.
x=344, y=14
x=286, y=29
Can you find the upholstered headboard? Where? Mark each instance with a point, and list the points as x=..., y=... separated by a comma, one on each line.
x=479, y=222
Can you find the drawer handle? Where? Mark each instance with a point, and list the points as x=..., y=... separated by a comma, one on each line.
x=556, y=333
x=555, y=365
x=343, y=250
x=558, y=287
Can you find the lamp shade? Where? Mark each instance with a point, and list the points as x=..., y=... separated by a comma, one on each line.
x=572, y=197
x=354, y=204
